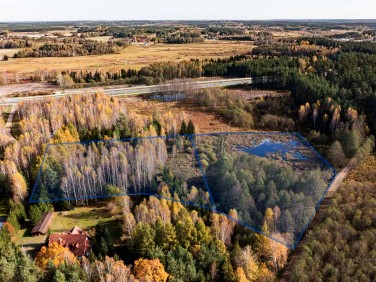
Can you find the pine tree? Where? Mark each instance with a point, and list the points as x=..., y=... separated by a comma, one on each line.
x=143, y=240
x=165, y=236
x=183, y=128
x=190, y=128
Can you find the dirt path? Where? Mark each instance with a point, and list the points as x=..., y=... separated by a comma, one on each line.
x=319, y=217
x=8, y=125
x=25, y=88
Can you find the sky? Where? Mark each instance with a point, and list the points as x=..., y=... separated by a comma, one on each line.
x=60, y=10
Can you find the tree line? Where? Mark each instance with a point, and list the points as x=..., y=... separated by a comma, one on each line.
x=70, y=50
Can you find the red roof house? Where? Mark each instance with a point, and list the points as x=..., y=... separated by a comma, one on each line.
x=78, y=244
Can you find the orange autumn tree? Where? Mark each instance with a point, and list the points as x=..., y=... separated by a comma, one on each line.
x=55, y=253
x=150, y=270
x=10, y=228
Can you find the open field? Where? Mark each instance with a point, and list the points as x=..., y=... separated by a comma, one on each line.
x=100, y=38
x=135, y=56
x=8, y=52
x=85, y=217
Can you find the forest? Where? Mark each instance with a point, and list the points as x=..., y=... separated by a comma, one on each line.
x=184, y=37
x=291, y=188
x=80, y=172
x=70, y=50
x=213, y=246
x=165, y=240
x=342, y=246
x=286, y=185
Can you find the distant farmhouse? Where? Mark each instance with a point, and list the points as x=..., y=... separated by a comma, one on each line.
x=41, y=228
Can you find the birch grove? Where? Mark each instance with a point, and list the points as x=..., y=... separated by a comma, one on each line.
x=89, y=169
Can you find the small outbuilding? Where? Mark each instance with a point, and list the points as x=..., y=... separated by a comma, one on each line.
x=41, y=228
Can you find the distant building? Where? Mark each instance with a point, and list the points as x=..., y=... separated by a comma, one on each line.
x=78, y=244
x=41, y=228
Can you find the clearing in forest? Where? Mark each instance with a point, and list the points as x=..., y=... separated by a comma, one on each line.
x=270, y=182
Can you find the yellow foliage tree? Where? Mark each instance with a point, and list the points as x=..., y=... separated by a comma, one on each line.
x=55, y=253
x=249, y=264
x=19, y=187
x=275, y=252
x=150, y=270
x=66, y=134
x=240, y=275
x=265, y=274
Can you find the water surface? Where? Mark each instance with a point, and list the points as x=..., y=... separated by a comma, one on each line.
x=267, y=147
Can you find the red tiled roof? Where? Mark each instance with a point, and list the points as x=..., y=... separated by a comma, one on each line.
x=78, y=244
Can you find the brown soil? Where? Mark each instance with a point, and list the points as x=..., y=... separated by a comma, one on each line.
x=204, y=121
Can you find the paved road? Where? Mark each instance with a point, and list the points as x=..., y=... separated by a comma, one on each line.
x=136, y=90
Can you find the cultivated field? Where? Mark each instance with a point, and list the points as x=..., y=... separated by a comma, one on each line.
x=135, y=56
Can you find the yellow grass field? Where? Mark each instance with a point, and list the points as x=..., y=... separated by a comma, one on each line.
x=135, y=56
x=100, y=38
x=8, y=52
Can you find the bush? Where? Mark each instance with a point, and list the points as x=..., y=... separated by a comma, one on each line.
x=204, y=163
x=336, y=155
x=273, y=122
x=35, y=214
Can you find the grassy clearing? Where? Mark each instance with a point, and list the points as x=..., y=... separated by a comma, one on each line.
x=135, y=56
x=24, y=238
x=87, y=218
x=84, y=217
x=185, y=166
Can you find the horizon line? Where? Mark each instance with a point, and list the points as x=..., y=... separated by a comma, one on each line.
x=192, y=20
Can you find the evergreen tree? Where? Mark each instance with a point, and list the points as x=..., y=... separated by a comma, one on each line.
x=143, y=241
x=190, y=128
x=103, y=244
x=183, y=128
x=181, y=264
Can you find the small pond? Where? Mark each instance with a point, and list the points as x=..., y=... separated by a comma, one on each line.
x=267, y=147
